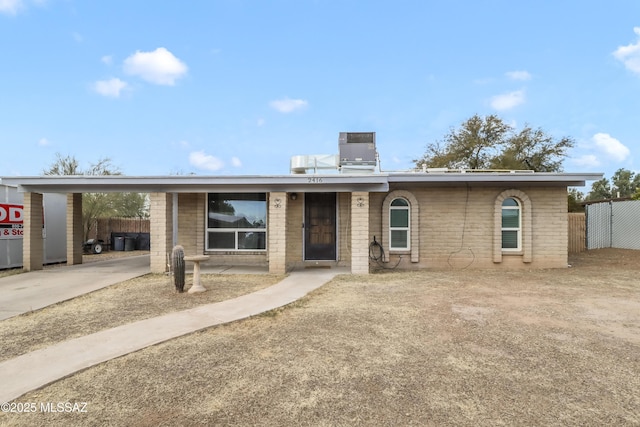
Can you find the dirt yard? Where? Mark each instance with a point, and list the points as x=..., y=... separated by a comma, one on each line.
x=464, y=347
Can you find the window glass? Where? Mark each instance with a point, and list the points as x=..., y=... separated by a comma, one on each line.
x=235, y=221
x=226, y=240
x=511, y=224
x=399, y=218
x=510, y=239
x=399, y=239
x=237, y=210
x=399, y=224
x=510, y=218
x=399, y=202
x=251, y=240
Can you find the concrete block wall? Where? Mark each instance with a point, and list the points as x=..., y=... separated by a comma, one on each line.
x=33, y=243
x=457, y=228
x=277, y=232
x=191, y=223
x=192, y=229
x=360, y=232
x=75, y=232
x=344, y=229
x=550, y=227
x=295, y=232
x=161, y=231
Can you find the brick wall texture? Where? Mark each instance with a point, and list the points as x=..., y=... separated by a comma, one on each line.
x=456, y=229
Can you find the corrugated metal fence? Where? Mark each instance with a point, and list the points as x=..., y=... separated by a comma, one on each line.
x=614, y=224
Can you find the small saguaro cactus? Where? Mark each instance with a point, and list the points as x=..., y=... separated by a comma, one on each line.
x=177, y=265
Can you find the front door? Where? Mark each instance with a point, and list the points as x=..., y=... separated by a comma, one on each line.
x=320, y=226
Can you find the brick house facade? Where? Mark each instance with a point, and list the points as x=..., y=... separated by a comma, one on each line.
x=409, y=220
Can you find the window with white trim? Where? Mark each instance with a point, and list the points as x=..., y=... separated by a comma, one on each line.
x=236, y=221
x=511, y=225
x=399, y=220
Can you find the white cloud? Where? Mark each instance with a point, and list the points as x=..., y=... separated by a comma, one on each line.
x=236, y=162
x=287, y=105
x=611, y=146
x=10, y=7
x=518, y=75
x=508, y=101
x=630, y=55
x=107, y=59
x=587, y=160
x=110, y=88
x=43, y=142
x=205, y=161
x=159, y=67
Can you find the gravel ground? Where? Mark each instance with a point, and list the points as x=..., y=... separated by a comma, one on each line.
x=551, y=347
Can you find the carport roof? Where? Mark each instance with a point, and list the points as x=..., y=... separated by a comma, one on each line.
x=377, y=182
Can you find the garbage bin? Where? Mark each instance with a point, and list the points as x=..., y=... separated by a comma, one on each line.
x=129, y=243
x=118, y=243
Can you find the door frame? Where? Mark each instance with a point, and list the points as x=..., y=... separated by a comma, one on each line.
x=305, y=225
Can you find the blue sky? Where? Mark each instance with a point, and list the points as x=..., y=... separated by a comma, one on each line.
x=237, y=87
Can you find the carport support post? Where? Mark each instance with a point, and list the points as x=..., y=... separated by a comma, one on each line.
x=277, y=232
x=32, y=243
x=75, y=231
x=359, y=232
x=161, y=230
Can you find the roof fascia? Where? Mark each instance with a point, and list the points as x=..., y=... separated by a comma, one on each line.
x=199, y=184
x=496, y=178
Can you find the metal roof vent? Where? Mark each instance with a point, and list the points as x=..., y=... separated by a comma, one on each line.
x=357, y=151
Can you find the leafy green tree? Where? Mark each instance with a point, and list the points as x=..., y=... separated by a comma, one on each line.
x=600, y=190
x=131, y=205
x=489, y=143
x=624, y=183
x=100, y=205
x=574, y=200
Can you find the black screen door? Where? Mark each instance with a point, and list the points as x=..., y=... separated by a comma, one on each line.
x=320, y=226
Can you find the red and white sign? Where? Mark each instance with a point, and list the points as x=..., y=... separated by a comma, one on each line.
x=11, y=218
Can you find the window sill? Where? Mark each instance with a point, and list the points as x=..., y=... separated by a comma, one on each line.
x=400, y=251
x=235, y=252
x=512, y=253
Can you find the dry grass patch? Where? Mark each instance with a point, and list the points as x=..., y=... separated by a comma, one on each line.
x=136, y=299
x=476, y=348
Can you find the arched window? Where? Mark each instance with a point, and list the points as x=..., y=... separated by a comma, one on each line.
x=511, y=225
x=399, y=229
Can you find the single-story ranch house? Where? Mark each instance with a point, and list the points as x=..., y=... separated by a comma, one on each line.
x=333, y=210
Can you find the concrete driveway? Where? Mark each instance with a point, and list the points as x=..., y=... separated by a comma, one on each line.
x=25, y=292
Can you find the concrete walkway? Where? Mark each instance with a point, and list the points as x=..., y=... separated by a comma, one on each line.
x=25, y=292
x=60, y=360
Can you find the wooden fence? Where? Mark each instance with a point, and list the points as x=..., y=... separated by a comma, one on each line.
x=103, y=227
x=577, y=233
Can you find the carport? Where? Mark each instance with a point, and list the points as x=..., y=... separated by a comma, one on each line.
x=172, y=223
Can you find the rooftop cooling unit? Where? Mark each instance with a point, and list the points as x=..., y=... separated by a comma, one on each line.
x=357, y=149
